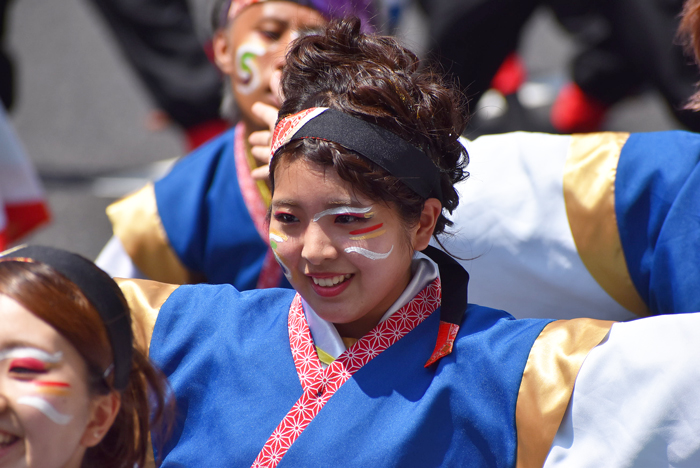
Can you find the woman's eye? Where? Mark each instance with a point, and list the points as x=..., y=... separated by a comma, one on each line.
x=271, y=34
x=28, y=366
x=347, y=219
x=285, y=218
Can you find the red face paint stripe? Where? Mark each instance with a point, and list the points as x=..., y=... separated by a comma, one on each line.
x=31, y=364
x=366, y=230
x=46, y=383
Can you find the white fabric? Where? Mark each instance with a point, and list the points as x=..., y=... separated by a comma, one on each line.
x=512, y=221
x=324, y=333
x=114, y=260
x=636, y=401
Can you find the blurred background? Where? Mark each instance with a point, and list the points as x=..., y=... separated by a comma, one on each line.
x=85, y=119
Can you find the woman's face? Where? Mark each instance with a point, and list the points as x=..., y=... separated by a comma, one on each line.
x=44, y=397
x=347, y=255
x=252, y=48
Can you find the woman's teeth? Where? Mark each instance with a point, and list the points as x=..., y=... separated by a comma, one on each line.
x=328, y=282
x=7, y=439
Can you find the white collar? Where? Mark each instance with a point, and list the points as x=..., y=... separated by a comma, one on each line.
x=324, y=333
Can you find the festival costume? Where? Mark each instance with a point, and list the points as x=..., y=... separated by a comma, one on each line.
x=23, y=205
x=251, y=389
x=249, y=381
x=601, y=225
x=204, y=221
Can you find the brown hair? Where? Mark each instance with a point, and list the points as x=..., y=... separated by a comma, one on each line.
x=374, y=78
x=689, y=34
x=60, y=303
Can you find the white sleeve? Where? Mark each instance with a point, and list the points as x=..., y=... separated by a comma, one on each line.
x=636, y=400
x=116, y=262
x=512, y=226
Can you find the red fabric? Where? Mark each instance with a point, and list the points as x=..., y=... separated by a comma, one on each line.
x=321, y=384
x=271, y=272
x=575, y=112
x=25, y=217
x=3, y=241
x=197, y=135
x=510, y=76
x=445, y=340
x=287, y=127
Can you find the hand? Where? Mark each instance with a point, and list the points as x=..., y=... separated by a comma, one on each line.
x=260, y=141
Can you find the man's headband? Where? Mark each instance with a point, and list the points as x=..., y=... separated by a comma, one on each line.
x=328, y=8
x=98, y=290
x=384, y=148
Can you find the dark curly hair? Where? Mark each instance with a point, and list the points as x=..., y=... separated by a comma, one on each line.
x=374, y=78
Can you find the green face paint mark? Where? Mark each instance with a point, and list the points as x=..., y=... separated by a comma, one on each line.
x=248, y=72
x=273, y=244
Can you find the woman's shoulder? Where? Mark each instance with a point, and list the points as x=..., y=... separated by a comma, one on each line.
x=161, y=310
x=214, y=300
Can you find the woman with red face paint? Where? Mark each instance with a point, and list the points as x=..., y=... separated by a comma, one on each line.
x=74, y=390
x=205, y=220
x=376, y=359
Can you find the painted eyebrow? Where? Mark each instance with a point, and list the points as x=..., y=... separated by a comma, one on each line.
x=28, y=351
x=342, y=210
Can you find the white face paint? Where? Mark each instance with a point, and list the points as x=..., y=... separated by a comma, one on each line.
x=45, y=407
x=343, y=210
x=285, y=270
x=30, y=353
x=368, y=253
x=44, y=385
x=248, y=72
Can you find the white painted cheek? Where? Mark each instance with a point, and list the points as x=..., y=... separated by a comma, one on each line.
x=285, y=269
x=247, y=68
x=46, y=408
x=368, y=253
x=277, y=240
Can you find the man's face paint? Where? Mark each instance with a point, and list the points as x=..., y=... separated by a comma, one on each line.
x=248, y=71
x=256, y=43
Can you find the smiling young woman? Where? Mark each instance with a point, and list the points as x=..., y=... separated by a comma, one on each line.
x=376, y=359
x=74, y=390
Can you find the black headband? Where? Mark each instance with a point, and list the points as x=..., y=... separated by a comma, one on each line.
x=99, y=290
x=384, y=148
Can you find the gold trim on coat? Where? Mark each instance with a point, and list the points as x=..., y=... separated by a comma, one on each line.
x=589, y=196
x=137, y=224
x=548, y=381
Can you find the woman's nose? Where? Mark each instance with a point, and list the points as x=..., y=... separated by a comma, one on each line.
x=318, y=246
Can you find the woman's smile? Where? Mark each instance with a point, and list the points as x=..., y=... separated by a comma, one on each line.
x=329, y=286
x=348, y=256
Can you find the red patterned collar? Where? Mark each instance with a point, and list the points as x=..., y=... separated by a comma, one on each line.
x=320, y=384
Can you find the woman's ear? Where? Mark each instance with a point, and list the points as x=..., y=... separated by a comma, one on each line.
x=426, y=224
x=223, y=55
x=102, y=414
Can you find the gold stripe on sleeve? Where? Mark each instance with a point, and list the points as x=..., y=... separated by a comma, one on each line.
x=136, y=222
x=589, y=196
x=548, y=380
x=145, y=299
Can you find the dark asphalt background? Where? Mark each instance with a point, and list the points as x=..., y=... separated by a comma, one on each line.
x=82, y=114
